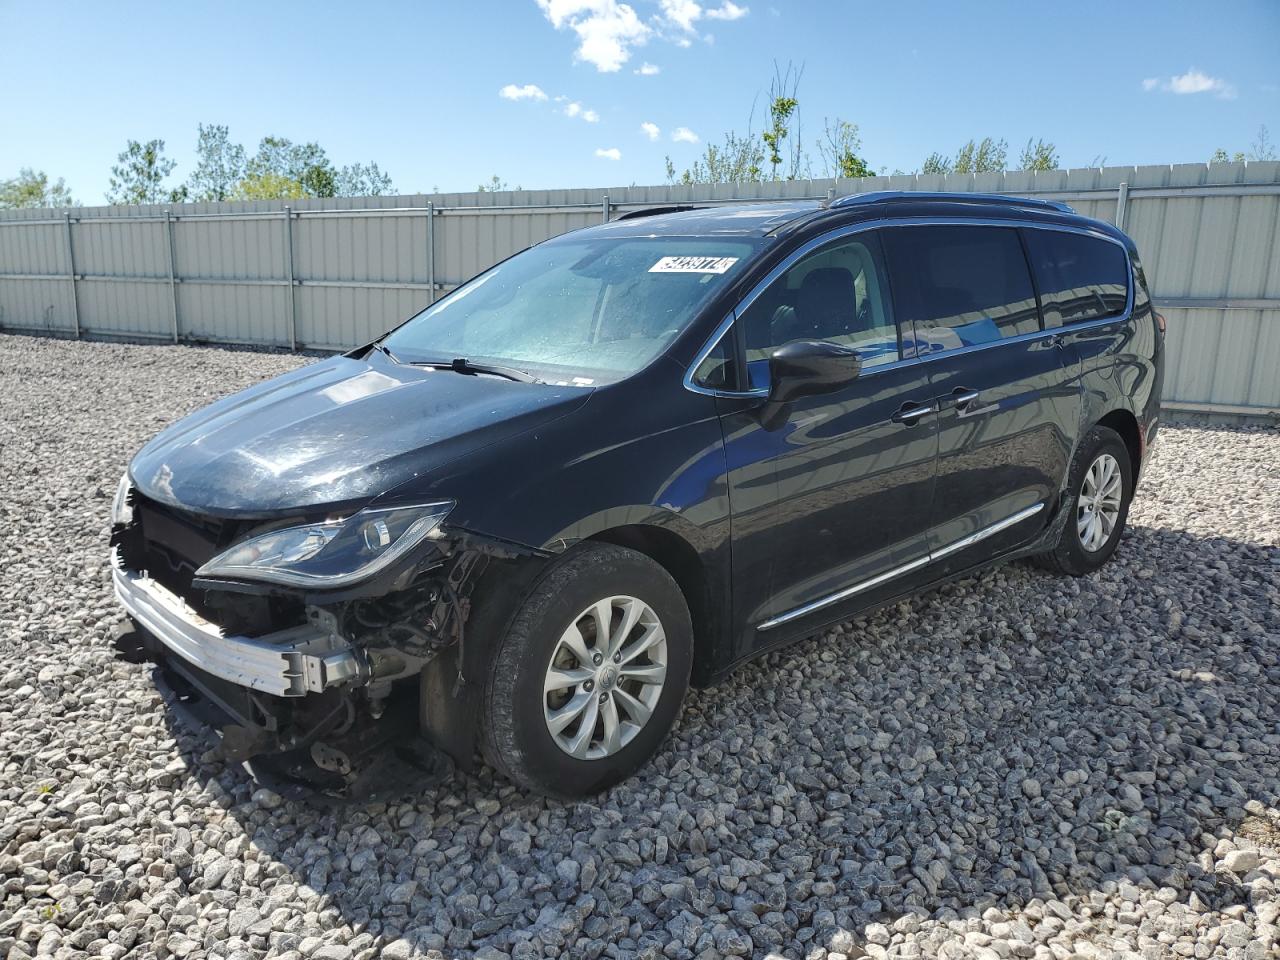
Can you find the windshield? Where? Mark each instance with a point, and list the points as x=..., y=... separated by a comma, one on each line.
x=576, y=311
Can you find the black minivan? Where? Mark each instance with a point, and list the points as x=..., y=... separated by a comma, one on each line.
x=631, y=458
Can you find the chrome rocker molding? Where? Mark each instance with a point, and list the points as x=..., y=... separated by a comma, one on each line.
x=916, y=564
x=290, y=663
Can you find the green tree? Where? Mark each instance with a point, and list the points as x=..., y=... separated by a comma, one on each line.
x=31, y=188
x=495, y=184
x=267, y=185
x=1261, y=149
x=139, y=174
x=784, y=121
x=976, y=156
x=358, y=180
x=279, y=160
x=220, y=164
x=1038, y=155
x=936, y=163
x=984, y=156
x=739, y=159
x=839, y=148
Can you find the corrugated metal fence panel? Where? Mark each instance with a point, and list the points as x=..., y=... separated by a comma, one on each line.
x=214, y=258
x=107, y=249
x=36, y=250
x=360, y=272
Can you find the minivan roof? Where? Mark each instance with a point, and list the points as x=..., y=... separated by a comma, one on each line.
x=731, y=219
x=760, y=219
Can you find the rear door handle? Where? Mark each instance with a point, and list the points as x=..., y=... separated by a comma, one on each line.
x=910, y=413
x=962, y=397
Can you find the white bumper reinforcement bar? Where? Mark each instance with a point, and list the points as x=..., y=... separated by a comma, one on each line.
x=290, y=663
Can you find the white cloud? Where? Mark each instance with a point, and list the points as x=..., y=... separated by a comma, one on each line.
x=728, y=11
x=530, y=91
x=613, y=153
x=647, y=70
x=606, y=29
x=575, y=109
x=684, y=135
x=651, y=130
x=1193, y=81
x=683, y=13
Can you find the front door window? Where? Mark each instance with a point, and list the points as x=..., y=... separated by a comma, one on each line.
x=837, y=293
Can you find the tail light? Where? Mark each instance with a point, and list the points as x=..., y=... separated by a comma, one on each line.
x=1160, y=323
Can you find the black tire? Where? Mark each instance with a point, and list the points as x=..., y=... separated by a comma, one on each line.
x=1070, y=556
x=515, y=736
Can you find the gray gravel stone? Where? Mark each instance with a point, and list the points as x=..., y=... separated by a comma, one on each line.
x=1015, y=765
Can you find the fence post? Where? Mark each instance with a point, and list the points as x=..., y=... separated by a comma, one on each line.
x=431, y=251
x=71, y=274
x=288, y=248
x=173, y=283
x=1122, y=200
x=605, y=208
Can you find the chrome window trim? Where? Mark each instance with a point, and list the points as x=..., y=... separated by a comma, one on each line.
x=933, y=555
x=713, y=341
x=849, y=230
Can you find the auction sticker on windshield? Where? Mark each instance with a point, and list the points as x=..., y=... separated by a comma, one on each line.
x=693, y=265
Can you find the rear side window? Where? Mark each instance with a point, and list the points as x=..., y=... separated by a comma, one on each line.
x=960, y=286
x=1080, y=277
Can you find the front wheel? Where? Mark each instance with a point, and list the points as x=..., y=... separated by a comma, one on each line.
x=591, y=673
x=1100, y=487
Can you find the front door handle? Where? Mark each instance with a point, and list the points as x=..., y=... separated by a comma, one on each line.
x=910, y=413
x=962, y=397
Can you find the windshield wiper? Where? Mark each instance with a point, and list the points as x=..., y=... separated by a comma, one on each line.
x=379, y=345
x=463, y=365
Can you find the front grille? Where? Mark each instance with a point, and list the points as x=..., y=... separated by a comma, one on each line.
x=176, y=543
x=171, y=545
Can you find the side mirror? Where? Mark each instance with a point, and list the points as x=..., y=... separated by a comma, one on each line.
x=806, y=368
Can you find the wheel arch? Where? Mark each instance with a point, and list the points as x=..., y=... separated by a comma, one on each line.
x=682, y=561
x=1123, y=422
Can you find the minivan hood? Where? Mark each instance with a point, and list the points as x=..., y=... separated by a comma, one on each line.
x=336, y=432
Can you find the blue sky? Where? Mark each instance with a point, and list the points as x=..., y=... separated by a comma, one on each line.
x=417, y=87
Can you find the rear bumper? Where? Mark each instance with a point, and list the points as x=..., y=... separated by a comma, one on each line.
x=288, y=663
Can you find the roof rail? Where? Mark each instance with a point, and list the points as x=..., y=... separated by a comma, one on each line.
x=655, y=211
x=995, y=199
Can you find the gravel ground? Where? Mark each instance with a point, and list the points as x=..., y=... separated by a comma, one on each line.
x=1015, y=766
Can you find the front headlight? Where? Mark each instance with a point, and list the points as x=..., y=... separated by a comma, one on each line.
x=121, y=509
x=332, y=554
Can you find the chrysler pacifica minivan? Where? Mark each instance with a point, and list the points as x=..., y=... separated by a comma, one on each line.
x=630, y=458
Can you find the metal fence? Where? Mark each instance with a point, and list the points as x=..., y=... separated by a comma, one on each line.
x=334, y=273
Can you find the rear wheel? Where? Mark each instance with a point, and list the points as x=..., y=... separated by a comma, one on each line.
x=1101, y=488
x=590, y=675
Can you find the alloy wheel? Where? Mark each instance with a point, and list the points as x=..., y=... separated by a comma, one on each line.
x=605, y=677
x=1098, y=506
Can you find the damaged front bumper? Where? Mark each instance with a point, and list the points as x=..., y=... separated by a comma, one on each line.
x=289, y=663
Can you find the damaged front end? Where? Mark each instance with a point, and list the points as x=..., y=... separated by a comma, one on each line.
x=312, y=685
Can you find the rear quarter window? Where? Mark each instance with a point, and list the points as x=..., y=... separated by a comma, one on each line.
x=1080, y=277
